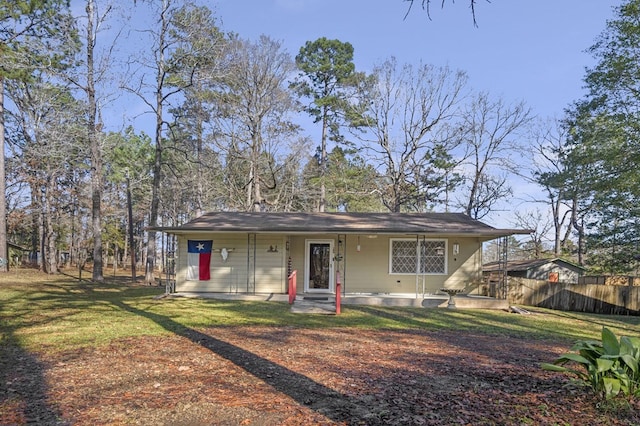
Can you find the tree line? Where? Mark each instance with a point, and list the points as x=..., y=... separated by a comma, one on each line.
x=228, y=136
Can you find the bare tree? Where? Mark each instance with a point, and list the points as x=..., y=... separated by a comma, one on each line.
x=256, y=115
x=540, y=225
x=87, y=77
x=169, y=60
x=47, y=140
x=404, y=132
x=548, y=154
x=490, y=131
x=155, y=95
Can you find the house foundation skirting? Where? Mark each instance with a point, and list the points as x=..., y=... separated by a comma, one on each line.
x=437, y=301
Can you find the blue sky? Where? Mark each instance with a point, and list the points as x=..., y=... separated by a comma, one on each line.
x=521, y=49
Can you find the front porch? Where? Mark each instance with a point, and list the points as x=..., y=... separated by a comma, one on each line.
x=397, y=300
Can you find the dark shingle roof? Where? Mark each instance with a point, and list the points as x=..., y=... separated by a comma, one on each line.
x=374, y=223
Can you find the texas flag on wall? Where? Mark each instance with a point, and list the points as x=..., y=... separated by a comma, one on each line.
x=199, y=259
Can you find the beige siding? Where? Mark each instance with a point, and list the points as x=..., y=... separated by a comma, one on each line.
x=231, y=276
x=364, y=271
x=296, y=252
x=367, y=270
x=271, y=268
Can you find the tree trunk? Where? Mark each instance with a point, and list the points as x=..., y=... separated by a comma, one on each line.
x=42, y=236
x=115, y=258
x=255, y=171
x=96, y=154
x=132, y=245
x=323, y=163
x=472, y=195
x=199, y=175
x=579, y=229
x=4, y=251
x=149, y=275
x=35, y=234
x=49, y=253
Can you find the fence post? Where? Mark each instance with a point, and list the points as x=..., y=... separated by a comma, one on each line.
x=338, y=291
x=292, y=287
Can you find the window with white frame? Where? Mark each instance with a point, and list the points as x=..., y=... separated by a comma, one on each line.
x=410, y=255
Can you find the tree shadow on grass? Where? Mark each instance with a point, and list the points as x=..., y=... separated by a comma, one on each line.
x=631, y=321
x=23, y=389
x=24, y=393
x=305, y=391
x=393, y=315
x=485, y=322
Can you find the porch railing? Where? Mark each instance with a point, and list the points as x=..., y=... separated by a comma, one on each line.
x=292, y=286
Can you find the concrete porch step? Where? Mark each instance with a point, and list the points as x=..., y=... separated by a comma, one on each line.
x=317, y=298
x=313, y=307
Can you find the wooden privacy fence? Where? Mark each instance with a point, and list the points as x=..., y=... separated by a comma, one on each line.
x=594, y=298
x=609, y=280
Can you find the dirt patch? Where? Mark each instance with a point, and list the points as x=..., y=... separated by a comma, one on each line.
x=290, y=376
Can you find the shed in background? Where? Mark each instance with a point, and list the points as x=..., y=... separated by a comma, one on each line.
x=551, y=270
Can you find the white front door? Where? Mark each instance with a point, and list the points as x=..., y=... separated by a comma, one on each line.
x=318, y=266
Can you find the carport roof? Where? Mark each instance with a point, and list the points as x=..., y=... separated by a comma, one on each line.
x=342, y=223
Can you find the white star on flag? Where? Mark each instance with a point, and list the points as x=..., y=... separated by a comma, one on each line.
x=200, y=246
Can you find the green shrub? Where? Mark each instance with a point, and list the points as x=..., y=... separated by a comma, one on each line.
x=611, y=367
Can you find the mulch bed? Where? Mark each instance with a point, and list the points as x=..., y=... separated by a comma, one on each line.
x=291, y=376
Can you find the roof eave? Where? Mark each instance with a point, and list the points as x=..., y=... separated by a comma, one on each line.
x=487, y=235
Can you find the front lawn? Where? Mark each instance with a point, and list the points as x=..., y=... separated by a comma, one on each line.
x=75, y=352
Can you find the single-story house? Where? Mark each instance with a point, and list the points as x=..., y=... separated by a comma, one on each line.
x=254, y=252
x=552, y=270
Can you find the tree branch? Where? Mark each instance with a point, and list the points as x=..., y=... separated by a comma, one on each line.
x=426, y=6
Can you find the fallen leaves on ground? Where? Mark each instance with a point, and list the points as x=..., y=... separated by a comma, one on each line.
x=291, y=376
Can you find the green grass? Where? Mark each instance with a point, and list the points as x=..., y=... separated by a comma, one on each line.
x=58, y=312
